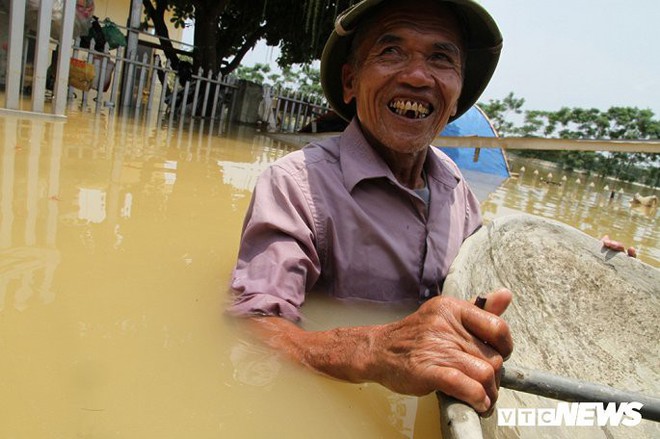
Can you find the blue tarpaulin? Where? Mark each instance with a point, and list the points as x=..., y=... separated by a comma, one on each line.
x=491, y=169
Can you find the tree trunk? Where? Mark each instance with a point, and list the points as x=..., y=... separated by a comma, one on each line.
x=205, y=45
x=207, y=14
x=157, y=16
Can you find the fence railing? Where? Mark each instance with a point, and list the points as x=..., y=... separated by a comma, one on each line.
x=294, y=110
x=136, y=81
x=141, y=82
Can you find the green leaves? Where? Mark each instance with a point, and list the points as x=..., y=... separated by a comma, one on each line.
x=616, y=123
x=226, y=29
x=304, y=78
x=571, y=123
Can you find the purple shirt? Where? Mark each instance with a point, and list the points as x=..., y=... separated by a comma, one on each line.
x=333, y=217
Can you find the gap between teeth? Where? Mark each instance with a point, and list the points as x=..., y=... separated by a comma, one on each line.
x=420, y=111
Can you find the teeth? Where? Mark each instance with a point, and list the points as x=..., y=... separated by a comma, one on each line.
x=420, y=109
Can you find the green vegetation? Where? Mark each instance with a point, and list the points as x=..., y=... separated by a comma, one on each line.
x=304, y=78
x=616, y=123
x=225, y=30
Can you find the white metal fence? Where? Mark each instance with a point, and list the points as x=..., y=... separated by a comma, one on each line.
x=294, y=110
x=17, y=50
x=126, y=80
x=141, y=82
x=131, y=79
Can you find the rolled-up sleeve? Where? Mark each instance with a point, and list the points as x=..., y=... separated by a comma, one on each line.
x=277, y=260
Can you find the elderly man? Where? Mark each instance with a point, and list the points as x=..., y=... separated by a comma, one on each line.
x=377, y=213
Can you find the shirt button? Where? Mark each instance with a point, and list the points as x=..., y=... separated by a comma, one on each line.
x=427, y=293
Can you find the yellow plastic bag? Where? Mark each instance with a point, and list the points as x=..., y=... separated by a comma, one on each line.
x=81, y=74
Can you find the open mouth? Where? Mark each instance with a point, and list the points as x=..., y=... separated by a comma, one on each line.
x=410, y=109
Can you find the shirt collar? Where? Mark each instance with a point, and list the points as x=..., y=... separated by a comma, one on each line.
x=441, y=168
x=359, y=161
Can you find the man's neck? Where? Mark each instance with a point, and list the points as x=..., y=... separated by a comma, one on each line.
x=406, y=167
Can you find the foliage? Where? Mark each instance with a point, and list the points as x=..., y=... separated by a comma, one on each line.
x=225, y=30
x=499, y=112
x=304, y=79
x=616, y=123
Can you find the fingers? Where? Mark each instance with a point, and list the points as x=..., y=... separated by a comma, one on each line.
x=491, y=341
x=497, y=301
x=489, y=328
x=472, y=381
x=487, y=372
x=448, y=345
x=612, y=245
x=490, y=355
x=455, y=383
x=618, y=246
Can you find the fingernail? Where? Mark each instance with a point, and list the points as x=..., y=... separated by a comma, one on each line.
x=486, y=405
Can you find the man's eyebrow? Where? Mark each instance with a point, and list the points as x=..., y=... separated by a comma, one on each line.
x=388, y=39
x=447, y=47
x=441, y=46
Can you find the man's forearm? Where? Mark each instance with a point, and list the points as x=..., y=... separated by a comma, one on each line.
x=447, y=344
x=342, y=353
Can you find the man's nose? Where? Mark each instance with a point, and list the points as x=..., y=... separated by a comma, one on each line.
x=416, y=73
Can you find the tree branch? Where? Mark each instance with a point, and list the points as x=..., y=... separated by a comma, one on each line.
x=213, y=7
x=250, y=41
x=158, y=19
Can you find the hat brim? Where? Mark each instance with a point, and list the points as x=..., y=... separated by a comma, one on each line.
x=483, y=45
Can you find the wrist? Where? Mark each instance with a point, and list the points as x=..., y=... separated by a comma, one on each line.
x=343, y=353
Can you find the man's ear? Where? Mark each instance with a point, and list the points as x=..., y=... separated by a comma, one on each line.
x=347, y=82
x=455, y=109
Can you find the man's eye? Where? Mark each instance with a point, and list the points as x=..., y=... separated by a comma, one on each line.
x=441, y=57
x=389, y=50
x=444, y=59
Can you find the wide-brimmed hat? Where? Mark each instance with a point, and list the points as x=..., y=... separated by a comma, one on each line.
x=482, y=41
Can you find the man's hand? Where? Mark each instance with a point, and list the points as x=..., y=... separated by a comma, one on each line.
x=448, y=344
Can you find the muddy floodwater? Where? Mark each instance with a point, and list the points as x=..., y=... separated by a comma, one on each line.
x=592, y=204
x=117, y=241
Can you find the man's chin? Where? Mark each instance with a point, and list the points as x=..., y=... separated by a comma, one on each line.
x=402, y=139
x=412, y=142
x=412, y=145
x=416, y=136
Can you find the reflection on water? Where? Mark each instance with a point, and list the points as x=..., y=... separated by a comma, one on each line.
x=116, y=245
x=117, y=240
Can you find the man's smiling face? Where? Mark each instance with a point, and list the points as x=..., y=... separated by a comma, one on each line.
x=406, y=76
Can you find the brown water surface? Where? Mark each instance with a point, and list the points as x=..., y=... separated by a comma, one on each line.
x=116, y=245
x=117, y=240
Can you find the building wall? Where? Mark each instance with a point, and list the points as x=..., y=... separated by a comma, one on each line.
x=118, y=11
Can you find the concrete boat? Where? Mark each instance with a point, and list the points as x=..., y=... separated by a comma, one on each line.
x=579, y=311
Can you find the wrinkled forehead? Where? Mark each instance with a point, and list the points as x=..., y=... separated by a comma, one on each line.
x=423, y=16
